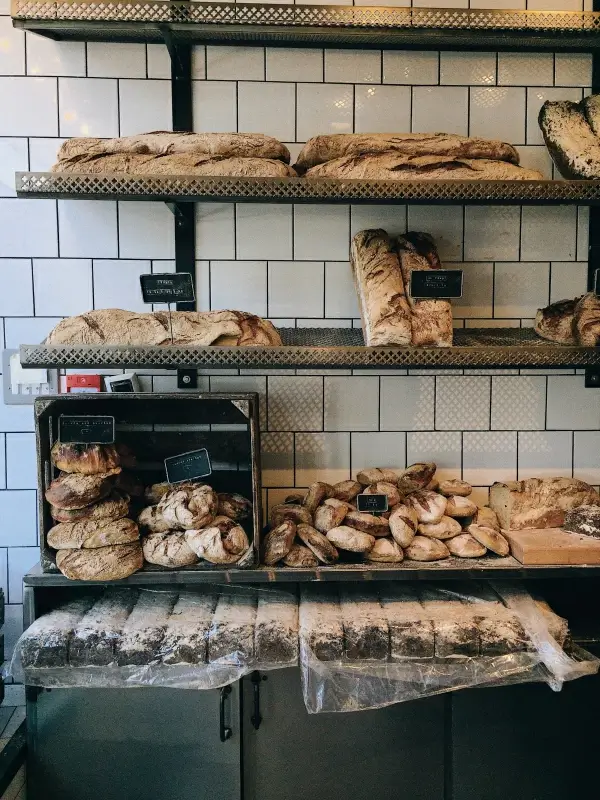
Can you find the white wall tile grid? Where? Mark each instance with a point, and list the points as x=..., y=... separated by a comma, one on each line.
x=290, y=263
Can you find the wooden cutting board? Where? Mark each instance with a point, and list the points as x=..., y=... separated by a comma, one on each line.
x=553, y=546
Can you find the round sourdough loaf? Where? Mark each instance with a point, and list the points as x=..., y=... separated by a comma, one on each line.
x=101, y=564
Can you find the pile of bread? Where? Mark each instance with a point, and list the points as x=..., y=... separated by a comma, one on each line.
x=94, y=498
x=426, y=520
x=113, y=326
x=574, y=322
x=370, y=156
x=382, y=269
x=572, y=135
x=190, y=522
x=167, y=153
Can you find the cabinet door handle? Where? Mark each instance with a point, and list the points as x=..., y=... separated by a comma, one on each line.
x=256, y=717
x=225, y=732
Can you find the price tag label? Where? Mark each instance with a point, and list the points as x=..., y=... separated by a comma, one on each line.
x=168, y=287
x=436, y=283
x=188, y=466
x=372, y=503
x=86, y=430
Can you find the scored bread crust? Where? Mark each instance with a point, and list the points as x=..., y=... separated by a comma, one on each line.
x=570, y=140
x=539, y=502
x=391, y=166
x=555, y=322
x=324, y=148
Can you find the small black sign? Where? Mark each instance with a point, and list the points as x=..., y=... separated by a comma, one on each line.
x=597, y=283
x=86, y=430
x=188, y=466
x=372, y=503
x=434, y=283
x=168, y=287
x=126, y=385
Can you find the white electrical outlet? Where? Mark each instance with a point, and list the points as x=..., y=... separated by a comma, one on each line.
x=22, y=386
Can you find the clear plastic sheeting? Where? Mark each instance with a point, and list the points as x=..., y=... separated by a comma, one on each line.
x=190, y=638
x=368, y=647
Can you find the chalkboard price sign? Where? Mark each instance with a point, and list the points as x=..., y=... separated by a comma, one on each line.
x=372, y=503
x=436, y=283
x=168, y=287
x=86, y=429
x=188, y=466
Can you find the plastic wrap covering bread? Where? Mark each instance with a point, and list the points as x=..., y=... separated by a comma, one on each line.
x=324, y=148
x=573, y=145
x=369, y=647
x=114, y=326
x=189, y=638
x=571, y=322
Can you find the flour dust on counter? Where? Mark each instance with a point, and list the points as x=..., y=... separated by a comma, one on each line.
x=290, y=264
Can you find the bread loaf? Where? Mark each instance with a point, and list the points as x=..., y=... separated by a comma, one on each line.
x=490, y=539
x=455, y=629
x=118, y=327
x=231, y=635
x=423, y=548
x=586, y=320
x=591, y=108
x=411, y=634
x=539, y=502
x=96, y=635
x=145, y=628
x=186, y=634
x=244, y=145
x=431, y=320
x=570, y=141
x=90, y=533
x=416, y=476
x=87, y=459
x=297, y=513
x=168, y=550
x=179, y=164
x=301, y=557
x=465, y=546
x=555, y=322
x=73, y=491
x=208, y=544
x=188, y=506
x=385, y=550
x=234, y=506
x=321, y=627
x=346, y=538
x=276, y=629
x=46, y=642
x=278, y=542
x=324, y=148
x=393, y=167
x=384, y=307
x=365, y=625
x=317, y=492
x=318, y=543
x=114, y=507
x=152, y=521
x=584, y=519
x=110, y=563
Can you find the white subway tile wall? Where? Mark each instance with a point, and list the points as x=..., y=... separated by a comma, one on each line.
x=291, y=263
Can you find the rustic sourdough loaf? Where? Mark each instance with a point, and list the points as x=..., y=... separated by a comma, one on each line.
x=539, y=502
x=73, y=491
x=110, y=563
x=555, y=322
x=115, y=506
x=87, y=459
x=570, y=141
x=586, y=320
x=90, y=533
x=324, y=148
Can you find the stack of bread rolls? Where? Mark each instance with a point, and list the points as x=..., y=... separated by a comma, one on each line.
x=426, y=521
x=409, y=157
x=173, y=153
x=190, y=522
x=93, y=535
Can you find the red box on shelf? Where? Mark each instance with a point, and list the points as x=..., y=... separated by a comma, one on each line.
x=83, y=384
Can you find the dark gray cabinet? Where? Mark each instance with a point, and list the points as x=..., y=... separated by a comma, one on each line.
x=132, y=744
x=395, y=752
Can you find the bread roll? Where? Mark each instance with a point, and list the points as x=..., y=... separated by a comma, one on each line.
x=118, y=327
x=384, y=307
x=244, y=145
x=208, y=544
x=301, y=556
x=386, y=551
x=455, y=487
x=87, y=459
x=490, y=539
x=390, y=166
x=297, y=513
x=150, y=519
x=73, y=491
x=570, y=141
x=403, y=523
x=324, y=148
x=317, y=493
x=346, y=538
x=188, y=506
x=90, y=533
x=110, y=563
x=278, y=542
x=416, y=477
x=234, y=506
x=423, y=548
x=465, y=546
x=431, y=320
x=318, y=543
x=168, y=550
x=539, y=502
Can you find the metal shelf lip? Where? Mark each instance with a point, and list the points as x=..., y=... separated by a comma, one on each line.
x=326, y=348
x=57, y=185
x=449, y=569
x=309, y=25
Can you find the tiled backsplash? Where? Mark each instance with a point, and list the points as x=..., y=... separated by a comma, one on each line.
x=290, y=263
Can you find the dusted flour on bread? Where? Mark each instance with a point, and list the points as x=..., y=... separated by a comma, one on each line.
x=96, y=635
x=145, y=628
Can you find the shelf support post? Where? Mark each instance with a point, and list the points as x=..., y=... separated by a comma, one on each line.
x=184, y=213
x=592, y=376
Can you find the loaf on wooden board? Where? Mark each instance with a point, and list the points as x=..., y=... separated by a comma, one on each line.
x=246, y=145
x=570, y=141
x=393, y=167
x=384, y=307
x=539, y=502
x=186, y=635
x=431, y=320
x=96, y=635
x=145, y=628
x=110, y=563
x=180, y=165
x=327, y=147
x=584, y=519
x=116, y=326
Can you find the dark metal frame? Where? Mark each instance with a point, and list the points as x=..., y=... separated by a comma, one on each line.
x=592, y=376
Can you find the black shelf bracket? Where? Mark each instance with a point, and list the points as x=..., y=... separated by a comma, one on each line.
x=184, y=213
x=592, y=374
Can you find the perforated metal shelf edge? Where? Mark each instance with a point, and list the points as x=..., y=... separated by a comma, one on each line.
x=302, y=190
x=310, y=348
x=309, y=25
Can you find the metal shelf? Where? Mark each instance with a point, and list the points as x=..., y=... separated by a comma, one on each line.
x=308, y=26
x=450, y=569
x=180, y=189
x=326, y=348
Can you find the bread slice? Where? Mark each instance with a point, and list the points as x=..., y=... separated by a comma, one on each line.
x=539, y=502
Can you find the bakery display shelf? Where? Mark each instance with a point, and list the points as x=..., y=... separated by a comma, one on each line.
x=169, y=188
x=326, y=348
x=308, y=25
x=448, y=569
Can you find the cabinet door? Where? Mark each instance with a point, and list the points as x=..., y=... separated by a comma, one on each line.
x=132, y=744
x=526, y=742
x=394, y=752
